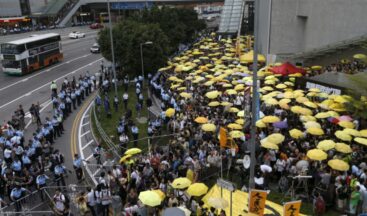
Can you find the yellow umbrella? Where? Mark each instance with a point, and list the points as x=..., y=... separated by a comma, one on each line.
x=281, y=86
x=310, y=104
x=240, y=121
x=181, y=183
x=150, y=198
x=271, y=101
x=322, y=115
x=333, y=114
x=231, y=92
x=260, y=124
x=233, y=110
x=133, y=151
x=208, y=83
x=314, y=90
x=363, y=133
x=270, y=119
x=197, y=189
x=275, y=138
x=337, y=164
x=312, y=124
x=226, y=103
x=346, y=124
x=295, y=133
x=241, y=113
x=124, y=158
x=236, y=134
x=360, y=56
x=326, y=145
x=217, y=202
x=172, y=78
x=316, y=67
x=269, y=145
x=214, y=104
x=239, y=87
x=315, y=131
x=181, y=89
x=201, y=120
x=284, y=101
x=342, y=135
x=235, y=126
x=301, y=99
x=208, y=127
x=212, y=94
x=316, y=154
x=269, y=82
x=352, y=132
x=360, y=140
x=288, y=94
x=185, y=95
x=170, y=112
x=343, y=148
x=307, y=118
x=160, y=193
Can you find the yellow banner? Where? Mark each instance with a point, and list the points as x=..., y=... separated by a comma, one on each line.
x=223, y=137
x=257, y=202
x=292, y=208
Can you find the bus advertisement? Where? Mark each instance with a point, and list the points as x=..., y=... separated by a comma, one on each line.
x=26, y=55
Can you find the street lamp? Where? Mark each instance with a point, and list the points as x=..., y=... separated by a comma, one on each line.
x=112, y=48
x=142, y=57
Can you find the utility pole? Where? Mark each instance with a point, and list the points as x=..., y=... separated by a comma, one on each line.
x=254, y=108
x=112, y=47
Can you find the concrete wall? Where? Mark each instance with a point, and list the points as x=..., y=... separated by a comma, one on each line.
x=37, y=6
x=301, y=25
x=10, y=8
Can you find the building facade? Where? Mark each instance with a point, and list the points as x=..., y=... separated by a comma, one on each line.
x=289, y=27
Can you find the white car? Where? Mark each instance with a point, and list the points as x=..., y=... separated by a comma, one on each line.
x=95, y=48
x=76, y=34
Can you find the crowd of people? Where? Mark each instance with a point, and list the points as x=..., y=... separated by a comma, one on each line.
x=29, y=165
x=343, y=66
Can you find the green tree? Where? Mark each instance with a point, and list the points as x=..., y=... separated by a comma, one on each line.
x=128, y=35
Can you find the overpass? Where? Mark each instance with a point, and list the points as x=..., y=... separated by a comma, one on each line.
x=66, y=19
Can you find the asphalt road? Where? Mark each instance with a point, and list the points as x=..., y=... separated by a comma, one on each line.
x=35, y=87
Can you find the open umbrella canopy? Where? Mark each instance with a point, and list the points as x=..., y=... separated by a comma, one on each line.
x=339, y=165
x=170, y=112
x=275, y=138
x=173, y=211
x=124, y=158
x=212, y=94
x=322, y=115
x=316, y=154
x=343, y=148
x=315, y=131
x=217, y=202
x=326, y=145
x=360, y=56
x=241, y=113
x=281, y=124
x=208, y=127
x=181, y=183
x=226, y=103
x=260, y=124
x=312, y=124
x=295, y=133
x=270, y=119
x=150, y=198
x=133, y=151
x=197, y=189
x=271, y=101
x=342, y=135
x=352, y=132
x=269, y=145
x=201, y=120
x=161, y=194
x=310, y=104
x=214, y=104
x=236, y=134
x=233, y=110
x=185, y=95
x=346, y=124
x=360, y=140
x=363, y=133
x=240, y=121
x=235, y=126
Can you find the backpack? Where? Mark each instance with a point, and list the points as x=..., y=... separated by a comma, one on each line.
x=319, y=206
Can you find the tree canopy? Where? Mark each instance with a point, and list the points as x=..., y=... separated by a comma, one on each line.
x=165, y=27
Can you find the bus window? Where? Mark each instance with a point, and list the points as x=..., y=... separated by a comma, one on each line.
x=12, y=49
x=10, y=64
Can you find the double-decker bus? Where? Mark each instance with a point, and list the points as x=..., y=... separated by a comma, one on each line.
x=23, y=56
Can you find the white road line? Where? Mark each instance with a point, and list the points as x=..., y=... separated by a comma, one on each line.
x=42, y=72
x=16, y=99
x=95, y=173
x=89, y=157
x=85, y=133
x=86, y=116
x=80, y=145
x=85, y=124
x=90, y=142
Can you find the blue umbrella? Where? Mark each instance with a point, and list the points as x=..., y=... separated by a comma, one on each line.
x=281, y=124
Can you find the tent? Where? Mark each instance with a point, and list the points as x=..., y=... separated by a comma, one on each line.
x=286, y=69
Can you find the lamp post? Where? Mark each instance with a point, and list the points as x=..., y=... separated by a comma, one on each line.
x=112, y=47
x=142, y=57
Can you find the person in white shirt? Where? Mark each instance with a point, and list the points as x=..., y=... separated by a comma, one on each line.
x=59, y=201
x=106, y=198
x=91, y=200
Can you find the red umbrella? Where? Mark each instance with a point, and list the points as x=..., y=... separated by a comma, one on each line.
x=286, y=69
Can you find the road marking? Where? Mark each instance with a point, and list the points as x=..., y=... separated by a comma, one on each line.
x=85, y=133
x=85, y=124
x=89, y=157
x=42, y=72
x=86, y=116
x=90, y=142
x=16, y=99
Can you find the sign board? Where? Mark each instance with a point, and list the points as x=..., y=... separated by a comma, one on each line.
x=131, y=5
x=292, y=208
x=326, y=89
x=257, y=202
x=226, y=185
